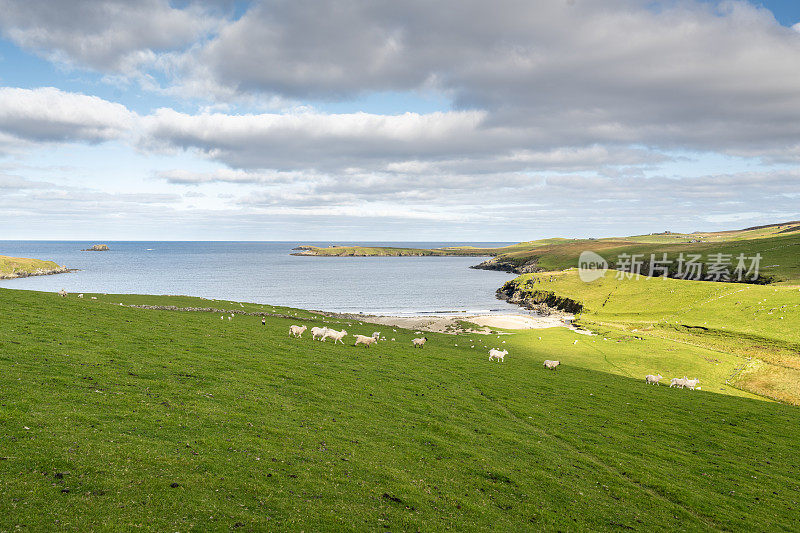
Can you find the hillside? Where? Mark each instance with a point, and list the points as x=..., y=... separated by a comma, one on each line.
x=20, y=267
x=760, y=325
x=179, y=420
x=778, y=244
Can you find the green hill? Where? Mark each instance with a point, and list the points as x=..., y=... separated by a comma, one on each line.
x=778, y=245
x=19, y=267
x=119, y=418
x=758, y=324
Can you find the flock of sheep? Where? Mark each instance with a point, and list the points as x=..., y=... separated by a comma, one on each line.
x=324, y=333
x=681, y=383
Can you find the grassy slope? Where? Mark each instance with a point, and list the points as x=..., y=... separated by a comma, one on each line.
x=10, y=265
x=736, y=320
x=268, y=432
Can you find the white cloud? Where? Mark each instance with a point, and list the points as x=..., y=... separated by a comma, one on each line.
x=49, y=114
x=111, y=35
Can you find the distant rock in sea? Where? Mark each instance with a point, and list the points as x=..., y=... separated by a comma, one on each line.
x=97, y=248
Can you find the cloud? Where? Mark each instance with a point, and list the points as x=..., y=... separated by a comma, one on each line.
x=684, y=75
x=109, y=36
x=51, y=115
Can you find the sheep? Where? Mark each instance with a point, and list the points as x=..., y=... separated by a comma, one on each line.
x=335, y=335
x=230, y=318
x=318, y=332
x=62, y=293
x=94, y=297
x=222, y=318
x=296, y=331
x=366, y=341
x=420, y=342
x=651, y=379
x=691, y=383
x=551, y=365
x=376, y=335
x=678, y=382
x=498, y=355
x=80, y=296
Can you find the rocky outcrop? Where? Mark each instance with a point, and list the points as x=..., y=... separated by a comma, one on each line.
x=97, y=248
x=37, y=272
x=543, y=302
x=507, y=265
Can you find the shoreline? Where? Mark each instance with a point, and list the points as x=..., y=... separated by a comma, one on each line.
x=25, y=274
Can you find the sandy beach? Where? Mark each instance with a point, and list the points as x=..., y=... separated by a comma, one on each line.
x=453, y=324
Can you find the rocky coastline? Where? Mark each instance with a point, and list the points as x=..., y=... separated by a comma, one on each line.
x=37, y=272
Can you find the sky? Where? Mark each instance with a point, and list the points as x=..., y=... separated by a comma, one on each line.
x=377, y=120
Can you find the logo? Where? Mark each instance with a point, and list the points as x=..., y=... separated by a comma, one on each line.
x=591, y=266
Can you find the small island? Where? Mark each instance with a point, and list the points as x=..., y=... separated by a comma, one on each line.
x=22, y=267
x=97, y=248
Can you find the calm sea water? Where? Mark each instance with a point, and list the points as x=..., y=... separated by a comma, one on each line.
x=265, y=272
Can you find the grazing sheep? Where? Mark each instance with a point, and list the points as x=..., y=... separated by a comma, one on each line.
x=650, y=379
x=366, y=341
x=691, y=383
x=94, y=297
x=551, y=365
x=337, y=336
x=230, y=318
x=296, y=331
x=80, y=296
x=62, y=293
x=678, y=382
x=318, y=332
x=420, y=342
x=222, y=318
x=498, y=355
x=376, y=335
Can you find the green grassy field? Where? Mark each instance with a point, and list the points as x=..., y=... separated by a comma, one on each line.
x=755, y=324
x=118, y=418
x=21, y=266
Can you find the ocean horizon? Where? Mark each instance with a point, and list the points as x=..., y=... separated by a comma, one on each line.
x=266, y=272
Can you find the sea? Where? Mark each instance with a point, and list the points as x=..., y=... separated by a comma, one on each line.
x=266, y=272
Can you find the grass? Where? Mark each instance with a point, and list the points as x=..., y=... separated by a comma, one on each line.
x=754, y=327
x=122, y=418
x=21, y=266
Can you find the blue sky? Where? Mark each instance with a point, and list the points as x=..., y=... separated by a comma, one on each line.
x=266, y=121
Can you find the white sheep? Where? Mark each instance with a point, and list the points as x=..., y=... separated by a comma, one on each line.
x=691, y=383
x=498, y=355
x=366, y=341
x=551, y=365
x=376, y=335
x=94, y=297
x=420, y=342
x=651, y=379
x=80, y=296
x=318, y=332
x=62, y=293
x=335, y=335
x=296, y=331
x=678, y=382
